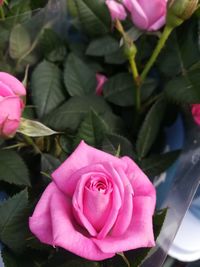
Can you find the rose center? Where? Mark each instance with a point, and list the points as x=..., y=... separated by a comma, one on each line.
x=100, y=184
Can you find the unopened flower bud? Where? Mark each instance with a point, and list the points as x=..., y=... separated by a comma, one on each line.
x=179, y=11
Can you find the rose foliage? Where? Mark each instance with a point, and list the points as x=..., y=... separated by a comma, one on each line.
x=88, y=91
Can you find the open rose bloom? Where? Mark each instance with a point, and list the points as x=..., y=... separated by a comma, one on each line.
x=96, y=206
x=11, y=104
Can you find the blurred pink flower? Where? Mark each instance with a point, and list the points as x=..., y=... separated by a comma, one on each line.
x=101, y=79
x=196, y=113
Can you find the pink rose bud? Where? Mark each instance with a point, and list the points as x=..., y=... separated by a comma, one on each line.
x=1, y=2
x=196, y=113
x=117, y=11
x=101, y=79
x=11, y=104
x=96, y=206
x=147, y=15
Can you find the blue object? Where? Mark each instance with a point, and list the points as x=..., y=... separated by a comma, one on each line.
x=175, y=136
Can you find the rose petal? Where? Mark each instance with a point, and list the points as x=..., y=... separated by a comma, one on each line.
x=10, y=114
x=117, y=11
x=140, y=182
x=5, y=90
x=70, y=236
x=40, y=222
x=155, y=11
x=140, y=231
x=83, y=156
x=138, y=15
x=14, y=84
x=125, y=213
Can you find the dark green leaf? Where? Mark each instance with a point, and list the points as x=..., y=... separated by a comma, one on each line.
x=14, y=221
x=79, y=78
x=150, y=128
x=91, y=130
x=20, y=42
x=47, y=88
x=119, y=90
x=78, y=263
x=13, y=169
x=94, y=16
x=102, y=46
x=116, y=58
x=70, y=114
x=49, y=163
x=155, y=165
x=184, y=89
x=147, y=88
x=113, y=142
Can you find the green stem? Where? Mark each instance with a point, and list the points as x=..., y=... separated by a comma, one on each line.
x=125, y=259
x=136, y=79
x=167, y=31
x=2, y=15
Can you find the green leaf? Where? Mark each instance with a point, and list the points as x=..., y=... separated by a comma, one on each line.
x=14, y=221
x=150, y=128
x=119, y=90
x=49, y=163
x=184, y=89
x=181, y=50
x=34, y=128
x=79, y=78
x=116, y=58
x=112, y=142
x=94, y=16
x=52, y=46
x=91, y=130
x=47, y=88
x=70, y=114
x=155, y=165
x=13, y=169
x=102, y=46
x=20, y=42
x=148, y=88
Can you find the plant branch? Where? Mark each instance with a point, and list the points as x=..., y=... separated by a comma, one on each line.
x=167, y=31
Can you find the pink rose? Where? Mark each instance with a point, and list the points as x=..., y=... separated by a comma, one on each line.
x=196, y=113
x=1, y=2
x=101, y=79
x=117, y=11
x=147, y=15
x=96, y=205
x=11, y=104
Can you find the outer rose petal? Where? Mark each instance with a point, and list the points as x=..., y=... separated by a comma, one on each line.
x=117, y=10
x=10, y=115
x=14, y=84
x=138, y=16
x=40, y=222
x=147, y=15
x=140, y=182
x=155, y=12
x=101, y=79
x=83, y=156
x=140, y=231
x=67, y=234
x=196, y=113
